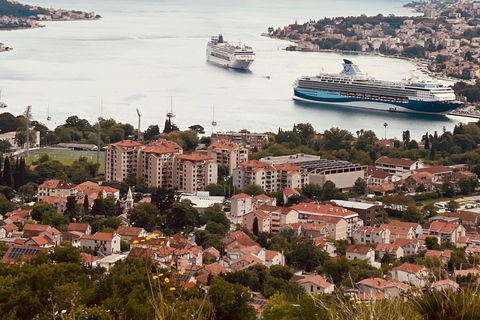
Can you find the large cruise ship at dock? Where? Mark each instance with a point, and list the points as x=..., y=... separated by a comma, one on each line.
x=352, y=88
x=229, y=55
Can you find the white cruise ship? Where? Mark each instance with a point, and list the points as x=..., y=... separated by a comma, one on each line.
x=228, y=55
x=352, y=88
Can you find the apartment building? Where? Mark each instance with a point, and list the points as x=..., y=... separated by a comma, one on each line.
x=227, y=154
x=156, y=163
x=370, y=213
x=309, y=210
x=193, y=172
x=249, y=140
x=56, y=188
x=401, y=167
x=161, y=164
x=271, y=178
x=121, y=160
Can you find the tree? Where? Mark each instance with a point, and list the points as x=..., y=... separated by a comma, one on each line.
x=231, y=300
x=336, y=139
x=452, y=205
x=432, y=243
x=71, y=210
x=255, y=226
x=197, y=128
x=86, y=204
x=181, y=217
x=360, y=186
x=5, y=205
x=412, y=215
x=313, y=191
x=448, y=190
x=40, y=209
x=329, y=191
x=151, y=132
x=145, y=215
x=406, y=138
x=366, y=141
x=337, y=269
x=163, y=198
x=7, y=173
x=306, y=254
x=253, y=190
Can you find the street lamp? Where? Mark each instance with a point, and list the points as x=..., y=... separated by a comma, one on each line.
x=385, y=125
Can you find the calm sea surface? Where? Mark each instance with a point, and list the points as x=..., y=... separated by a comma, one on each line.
x=145, y=52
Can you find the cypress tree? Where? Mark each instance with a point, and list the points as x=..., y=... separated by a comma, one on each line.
x=255, y=226
x=16, y=175
x=7, y=172
x=85, y=204
x=427, y=141
x=22, y=173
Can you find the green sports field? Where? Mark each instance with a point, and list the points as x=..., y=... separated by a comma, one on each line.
x=66, y=156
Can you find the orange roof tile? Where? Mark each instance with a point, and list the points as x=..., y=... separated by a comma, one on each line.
x=317, y=280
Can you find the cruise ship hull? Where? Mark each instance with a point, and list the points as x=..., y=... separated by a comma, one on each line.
x=411, y=106
x=232, y=63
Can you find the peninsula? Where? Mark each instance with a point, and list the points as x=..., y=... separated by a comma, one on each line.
x=14, y=15
x=446, y=38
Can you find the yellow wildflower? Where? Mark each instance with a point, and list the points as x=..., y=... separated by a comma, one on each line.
x=142, y=240
x=180, y=272
x=56, y=312
x=167, y=280
x=173, y=262
x=156, y=235
x=155, y=277
x=161, y=274
x=475, y=274
x=148, y=238
x=368, y=305
x=135, y=241
x=162, y=242
x=172, y=288
x=358, y=302
x=351, y=299
x=181, y=232
x=64, y=311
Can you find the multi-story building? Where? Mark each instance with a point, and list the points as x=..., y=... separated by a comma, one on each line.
x=242, y=204
x=401, y=167
x=121, y=160
x=193, y=172
x=342, y=173
x=249, y=140
x=370, y=213
x=227, y=154
x=271, y=178
x=56, y=188
x=308, y=210
x=161, y=164
x=156, y=163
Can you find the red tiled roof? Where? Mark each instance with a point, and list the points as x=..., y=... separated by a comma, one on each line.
x=289, y=192
x=215, y=268
x=42, y=240
x=446, y=282
x=395, y=161
x=435, y=170
x=35, y=227
x=57, y=184
x=358, y=249
x=409, y=268
x=270, y=254
x=103, y=236
x=76, y=226
x=194, y=157
x=317, y=280
x=129, y=231
x=323, y=209
x=127, y=143
x=9, y=227
x=52, y=200
x=254, y=163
